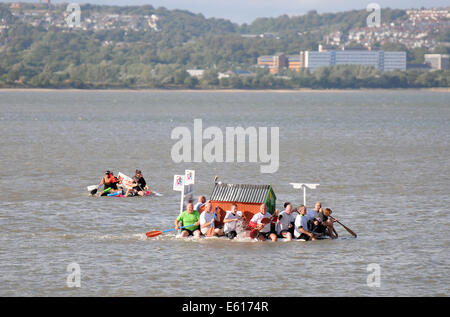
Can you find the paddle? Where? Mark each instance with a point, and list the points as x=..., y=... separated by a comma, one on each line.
x=149, y=192
x=345, y=227
x=155, y=233
x=212, y=229
x=107, y=190
x=92, y=189
x=255, y=231
x=156, y=193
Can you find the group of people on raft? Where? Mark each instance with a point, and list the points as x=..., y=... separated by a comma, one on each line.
x=112, y=184
x=290, y=223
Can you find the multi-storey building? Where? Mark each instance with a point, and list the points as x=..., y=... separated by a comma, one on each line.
x=381, y=60
x=437, y=61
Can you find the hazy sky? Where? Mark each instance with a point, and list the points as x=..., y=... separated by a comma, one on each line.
x=247, y=10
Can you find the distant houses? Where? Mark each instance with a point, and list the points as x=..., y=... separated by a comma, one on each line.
x=416, y=29
x=196, y=72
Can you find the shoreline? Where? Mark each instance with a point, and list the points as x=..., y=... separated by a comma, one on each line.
x=306, y=90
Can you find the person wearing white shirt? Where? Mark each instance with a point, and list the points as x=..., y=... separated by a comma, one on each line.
x=301, y=228
x=206, y=219
x=230, y=222
x=311, y=214
x=200, y=203
x=264, y=229
x=285, y=224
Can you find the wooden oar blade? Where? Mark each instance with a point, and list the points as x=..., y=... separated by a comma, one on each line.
x=152, y=234
x=265, y=220
x=253, y=233
x=210, y=232
x=349, y=231
x=345, y=227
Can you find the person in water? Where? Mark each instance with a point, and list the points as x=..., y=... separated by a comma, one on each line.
x=323, y=225
x=302, y=229
x=139, y=186
x=231, y=220
x=187, y=218
x=285, y=223
x=108, y=181
x=206, y=219
x=264, y=231
x=200, y=203
x=313, y=213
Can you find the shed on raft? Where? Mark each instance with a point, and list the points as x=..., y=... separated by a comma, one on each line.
x=248, y=199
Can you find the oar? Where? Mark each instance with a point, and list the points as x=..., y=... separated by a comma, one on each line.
x=255, y=231
x=155, y=233
x=149, y=192
x=212, y=229
x=156, y=193
x=345, y=227
x=92, y=189
x=107, y=190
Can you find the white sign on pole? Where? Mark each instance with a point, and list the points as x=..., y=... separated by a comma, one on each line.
x=188, y=190
x=189, y=177
x=185, y=185
x=303, y=186
x=178, y=182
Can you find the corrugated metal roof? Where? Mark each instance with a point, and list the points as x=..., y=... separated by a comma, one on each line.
x=240, y=193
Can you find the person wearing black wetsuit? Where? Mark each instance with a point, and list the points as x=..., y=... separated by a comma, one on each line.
x=139, y=185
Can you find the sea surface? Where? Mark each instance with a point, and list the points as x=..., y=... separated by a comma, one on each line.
x=381, y=158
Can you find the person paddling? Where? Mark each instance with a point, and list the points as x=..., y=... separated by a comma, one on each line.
x=231, y=220
x=263, y=229
x=206, y=220
x=302, y=229
x=285, y=224
x=139, y=186
x=187, y=218
x=323, y=224
x=108, y=181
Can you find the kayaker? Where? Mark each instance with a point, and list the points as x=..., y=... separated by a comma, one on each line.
x=139, y=186
x=206, y=219
x=264, y=229
x=108, y=181
x=230, y=221
x=189, y=217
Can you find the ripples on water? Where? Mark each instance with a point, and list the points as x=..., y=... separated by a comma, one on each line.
x=381, y=158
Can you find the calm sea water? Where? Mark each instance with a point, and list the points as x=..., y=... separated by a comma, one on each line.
x=381, y=157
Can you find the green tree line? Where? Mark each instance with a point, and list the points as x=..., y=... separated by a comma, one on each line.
x=39, y=56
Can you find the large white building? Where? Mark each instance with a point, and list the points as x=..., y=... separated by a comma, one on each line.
x=381, y=60
x=437, y=61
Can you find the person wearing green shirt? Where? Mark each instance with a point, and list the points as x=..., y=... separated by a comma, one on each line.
x=189, y=217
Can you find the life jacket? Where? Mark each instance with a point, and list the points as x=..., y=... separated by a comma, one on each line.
x=110, y=180
x=113, y=179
